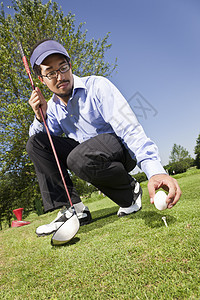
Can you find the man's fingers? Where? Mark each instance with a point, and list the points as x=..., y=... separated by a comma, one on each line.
x=167, y=183
x=151, y=189
x=154, y=184
x=38, y=92
x=174, y=194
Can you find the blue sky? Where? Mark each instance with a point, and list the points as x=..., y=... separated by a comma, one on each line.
x=157, y=43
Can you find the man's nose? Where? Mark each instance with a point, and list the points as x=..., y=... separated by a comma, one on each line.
x=60, y=75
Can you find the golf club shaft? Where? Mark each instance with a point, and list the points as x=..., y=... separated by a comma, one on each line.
x=44, y=121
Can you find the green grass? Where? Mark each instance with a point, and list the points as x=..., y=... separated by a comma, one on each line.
x=135, y=257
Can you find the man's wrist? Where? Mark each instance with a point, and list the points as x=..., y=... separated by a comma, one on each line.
x=38, y=120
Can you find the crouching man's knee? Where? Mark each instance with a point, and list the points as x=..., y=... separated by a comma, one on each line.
x=84, y=162
x=77, y=163
x=36, y=143
x=29, y=145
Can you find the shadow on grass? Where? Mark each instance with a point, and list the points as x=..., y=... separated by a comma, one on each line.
x=73, y=241
x=100, y=218
x=106, y=216
x=153, y=219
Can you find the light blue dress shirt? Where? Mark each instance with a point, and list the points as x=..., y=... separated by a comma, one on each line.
x=96, y=107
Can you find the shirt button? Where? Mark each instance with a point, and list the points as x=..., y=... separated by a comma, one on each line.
x=71, y=115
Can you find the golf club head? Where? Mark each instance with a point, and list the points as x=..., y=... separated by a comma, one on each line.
x=66, y=232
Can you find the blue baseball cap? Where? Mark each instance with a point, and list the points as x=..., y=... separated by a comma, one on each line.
x=45, y=49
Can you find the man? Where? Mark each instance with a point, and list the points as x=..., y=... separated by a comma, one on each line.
x=101, y=145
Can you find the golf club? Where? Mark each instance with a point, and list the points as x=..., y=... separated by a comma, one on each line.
x=68, y=230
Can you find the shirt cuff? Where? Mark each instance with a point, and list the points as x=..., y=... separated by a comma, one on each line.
x=152, y=167
x=36, y=127
x=38, y=124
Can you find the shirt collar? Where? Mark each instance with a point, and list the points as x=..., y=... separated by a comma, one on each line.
x=78, y=83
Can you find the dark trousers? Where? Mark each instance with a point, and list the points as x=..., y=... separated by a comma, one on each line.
x=102, y=161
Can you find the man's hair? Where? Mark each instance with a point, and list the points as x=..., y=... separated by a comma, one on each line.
x=36, y=68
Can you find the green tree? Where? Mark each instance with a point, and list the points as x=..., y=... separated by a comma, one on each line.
x=197, y=152
x=33, y=21
x=180, y=160
x=140, y=177
x=180, y=166
x=178, y=154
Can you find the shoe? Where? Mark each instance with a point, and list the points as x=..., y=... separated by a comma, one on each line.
x=62, y=216
x=84, y=217
x=136, y=204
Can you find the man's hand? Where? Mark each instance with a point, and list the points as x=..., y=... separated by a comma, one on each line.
x=37, y=100
x=169, y=184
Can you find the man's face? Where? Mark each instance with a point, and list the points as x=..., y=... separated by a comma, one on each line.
x=62, y=84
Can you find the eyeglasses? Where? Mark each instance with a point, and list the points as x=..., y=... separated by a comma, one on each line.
x=54, y=74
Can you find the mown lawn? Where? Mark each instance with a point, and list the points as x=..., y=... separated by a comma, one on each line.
x=135, y=257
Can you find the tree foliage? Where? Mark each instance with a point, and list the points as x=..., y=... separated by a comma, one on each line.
x=180, y=166
x=31, y=22
x=82, y=187
x=140, y=177
x=178, y=153
x=180, y=160
x=197, y=152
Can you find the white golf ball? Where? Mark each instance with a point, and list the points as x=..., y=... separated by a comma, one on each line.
x=160, y=200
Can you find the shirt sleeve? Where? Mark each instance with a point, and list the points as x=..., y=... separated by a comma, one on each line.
x=36, y=127
x=117, y=112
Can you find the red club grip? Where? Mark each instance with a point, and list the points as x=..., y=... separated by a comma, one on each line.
x=28, y=70
x=26, y=64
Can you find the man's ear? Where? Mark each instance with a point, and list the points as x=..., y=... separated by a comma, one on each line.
x=41, y=79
